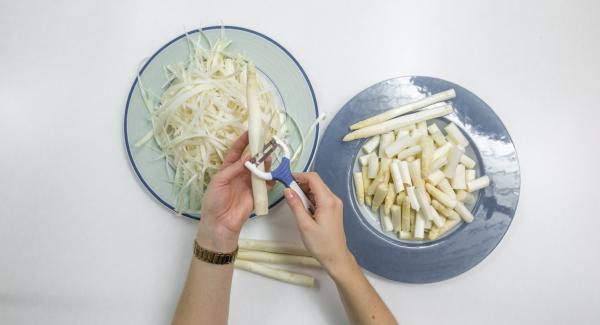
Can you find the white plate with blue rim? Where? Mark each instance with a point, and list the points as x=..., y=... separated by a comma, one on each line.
x=277, y=67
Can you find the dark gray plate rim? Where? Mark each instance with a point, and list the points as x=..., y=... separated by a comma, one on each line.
x=461, y=249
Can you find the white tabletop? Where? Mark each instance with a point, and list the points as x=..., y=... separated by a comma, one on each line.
x=81, y=242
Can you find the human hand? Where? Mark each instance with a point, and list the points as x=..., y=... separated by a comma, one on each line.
x=322, y=231
x=227, y=202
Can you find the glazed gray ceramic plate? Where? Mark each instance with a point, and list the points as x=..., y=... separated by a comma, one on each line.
x=467, y=244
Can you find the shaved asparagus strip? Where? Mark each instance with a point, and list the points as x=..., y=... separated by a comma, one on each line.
x=398, y=122
x=277, y=274
x=389, y=114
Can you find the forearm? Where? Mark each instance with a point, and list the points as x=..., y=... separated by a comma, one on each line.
x=205, y=297
x=362, y=303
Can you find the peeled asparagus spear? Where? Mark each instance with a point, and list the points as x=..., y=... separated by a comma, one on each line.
x=398, y=122
x=256, y=140
x=277, y=274
x=273, y=247
x=394, y=112
x=274, y=258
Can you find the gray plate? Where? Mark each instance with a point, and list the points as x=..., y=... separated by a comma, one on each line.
x=464, y=247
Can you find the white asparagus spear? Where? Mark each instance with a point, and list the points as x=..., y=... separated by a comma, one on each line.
x=437, y=219
x=465, y=197
x=371, y=144
x=426, y=209
x=419, y=231
x=389, y=114
x=386, y=140
x=379, y=196
x=256, y=140
x=396, y=176
x=364, y=159
x=427, y=148
x=389, y=199
x=470, y=174
x=444, y=185
x=437, y=135
x=439, y=163
x=366, y=183
x=373, y=166
x=463, y=212
x=406, y=215
x=273, y=246
x=448, y=213
x=405, y=235
x=414, y=168
x=442, y=151
x=359, y=187
x=435, y=232
x=453, y=159
x=435, y=177
x=405, y=173
x=468, y=162
x=386, y=221
x=277, y=274
x=440, y=196
x=456, y=135
x=274, y=258
x=414, y=203
x=398, y=122
x=478, y=183
x=459, y=179
x=409, y=152
x=399, y=145
x=396, y=217
x=400, y=198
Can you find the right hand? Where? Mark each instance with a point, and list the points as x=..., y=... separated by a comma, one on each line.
x=322, y=231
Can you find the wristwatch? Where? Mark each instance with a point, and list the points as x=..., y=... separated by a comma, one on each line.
x=211, y=257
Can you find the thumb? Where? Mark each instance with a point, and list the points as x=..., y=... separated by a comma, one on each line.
x=303, y=218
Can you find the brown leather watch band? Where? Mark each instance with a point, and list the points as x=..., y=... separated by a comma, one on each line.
x=211, y=257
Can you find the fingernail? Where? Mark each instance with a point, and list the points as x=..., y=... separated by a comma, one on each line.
x=288, y=194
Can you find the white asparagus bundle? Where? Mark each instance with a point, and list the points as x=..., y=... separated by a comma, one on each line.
x=275, y=258
x=389, y=114
x=256, y=140
x=277, y=274
x=273, y=246
x=417, y=181
x=398, y=122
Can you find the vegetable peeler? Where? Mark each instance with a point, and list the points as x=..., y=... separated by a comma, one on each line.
x=282, y=173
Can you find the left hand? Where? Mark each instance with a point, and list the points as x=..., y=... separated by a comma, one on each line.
x=227, y=202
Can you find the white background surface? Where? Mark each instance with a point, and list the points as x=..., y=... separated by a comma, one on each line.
x=81, y=242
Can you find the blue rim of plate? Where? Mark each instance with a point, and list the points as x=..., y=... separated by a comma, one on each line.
x=312, y=93
x=462, y=248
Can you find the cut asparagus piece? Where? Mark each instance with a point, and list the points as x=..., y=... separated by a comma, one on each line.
x=463, y=212
x=405, y=173
x=459, y=179
x=396, y=217
x=396, y=176
x=453, y=159
x=478, y=183
x=465, y=197
x=427, y=148
x=389, y=199
x=414, y=203
x=373, y=166
x=371, y=144
x=435, y=177
x=359, y=187
x=379, y=196
x=414, y=168
x=386, y=140
x=440, y=196
x=456, y=135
